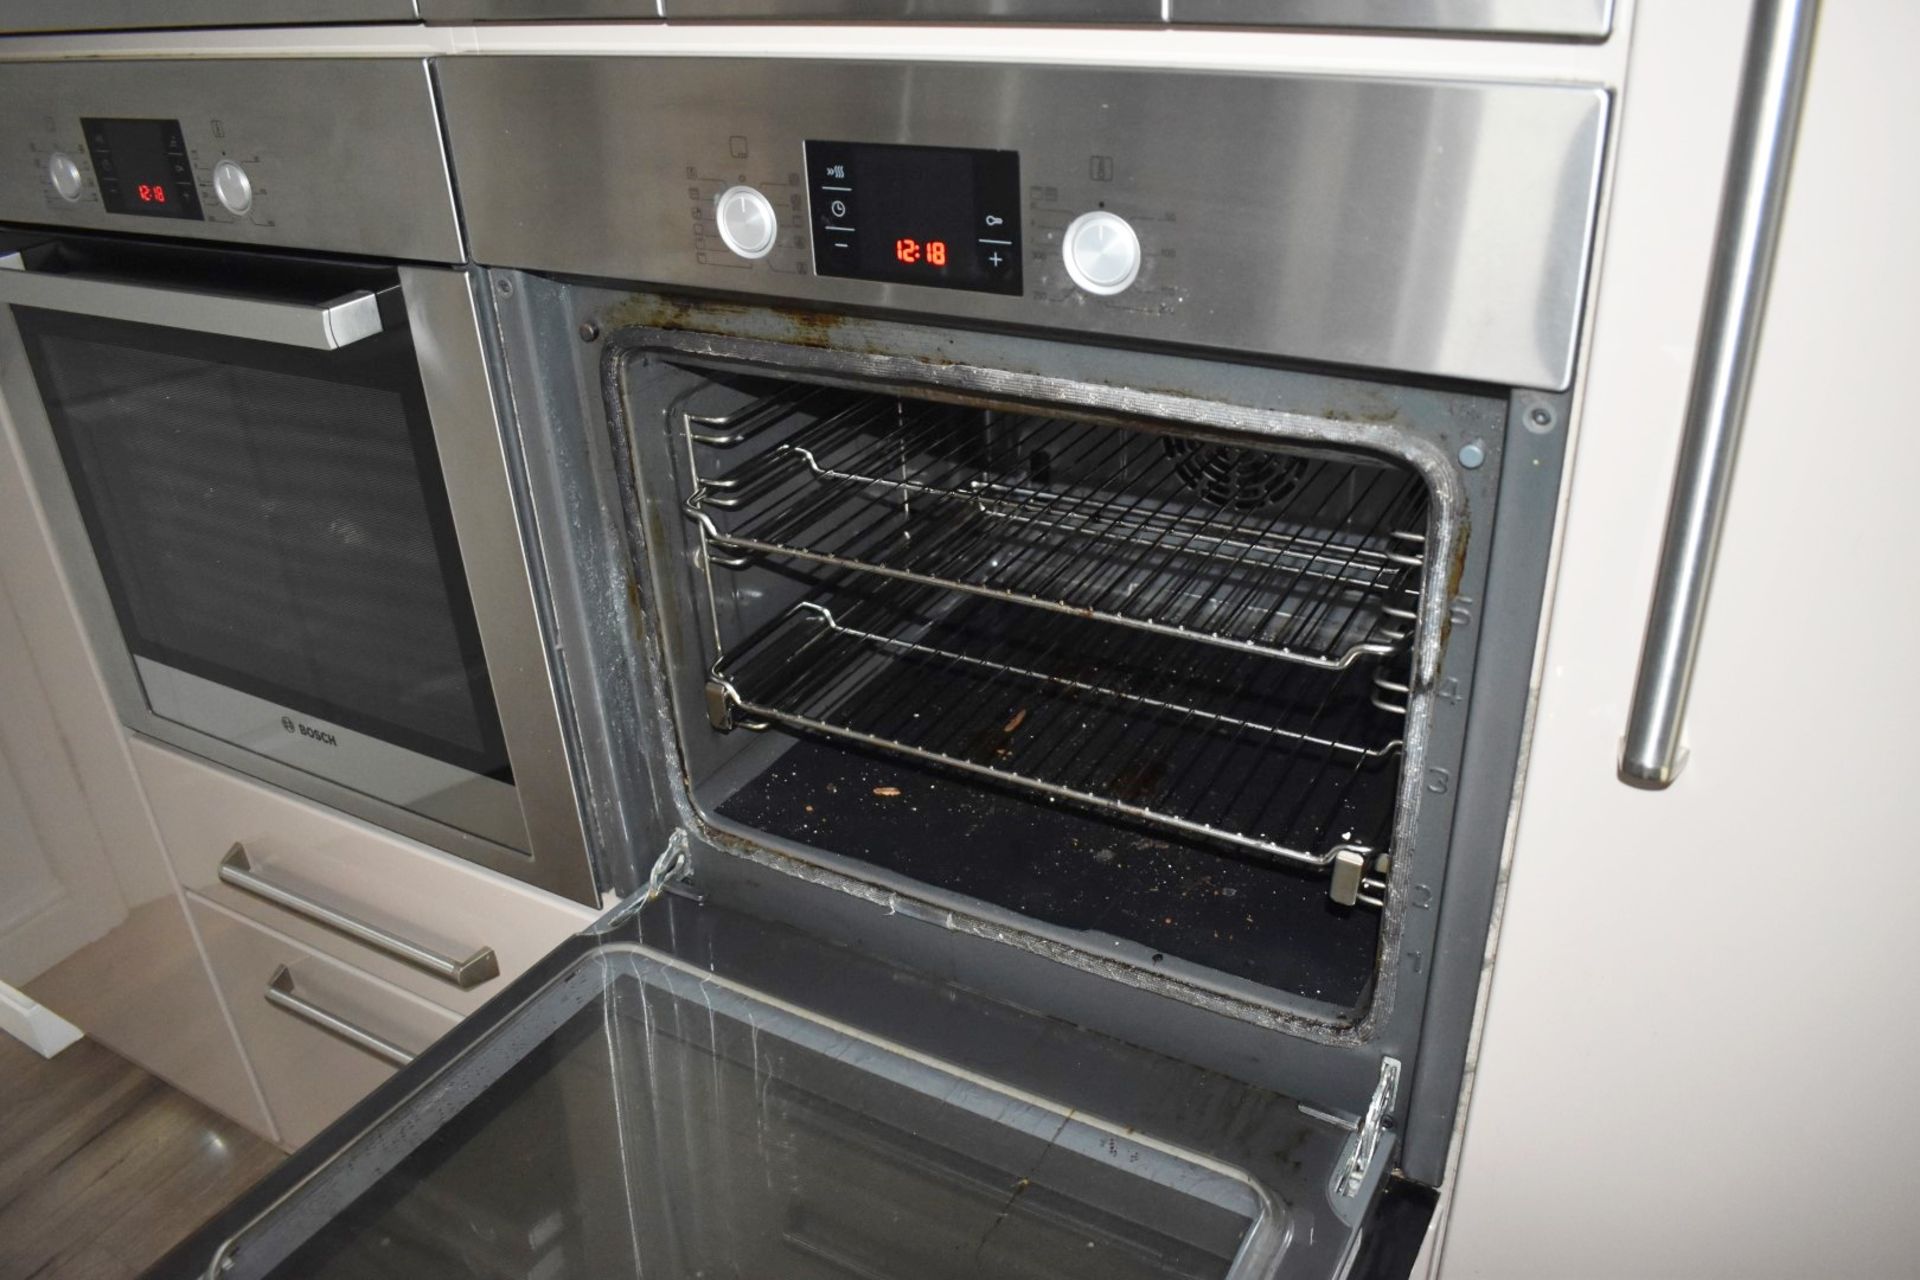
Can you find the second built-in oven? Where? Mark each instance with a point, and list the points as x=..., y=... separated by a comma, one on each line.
x=251, y=393
x=1049, y=560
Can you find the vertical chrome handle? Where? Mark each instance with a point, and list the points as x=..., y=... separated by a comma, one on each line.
x=281, y=995
x=1779, y=46
x=463, y=972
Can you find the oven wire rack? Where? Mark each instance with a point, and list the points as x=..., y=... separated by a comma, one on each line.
x=1289, y=763
x=970, y=567
x=1325, y=574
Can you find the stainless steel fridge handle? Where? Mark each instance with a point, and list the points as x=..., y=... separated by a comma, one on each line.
x=325, y=327
x=281, y=995
x=1773, y=84
x=481, y=965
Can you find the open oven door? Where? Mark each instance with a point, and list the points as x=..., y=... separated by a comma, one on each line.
x=641, y=1104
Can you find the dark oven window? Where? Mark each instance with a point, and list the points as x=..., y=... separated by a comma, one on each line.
x=273, y=519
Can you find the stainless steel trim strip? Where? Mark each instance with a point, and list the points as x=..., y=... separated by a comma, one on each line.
x=141, y=15
x=477, y=452
x=1096, y=12
x=237, y=869
x=1581, y=19
x=281, y=995
x=1779, y=48
x=331, y=325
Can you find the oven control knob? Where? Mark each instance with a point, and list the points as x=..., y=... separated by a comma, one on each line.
x=747, y=222
x=1102, y=252
x=232, y=187
x=65, y=175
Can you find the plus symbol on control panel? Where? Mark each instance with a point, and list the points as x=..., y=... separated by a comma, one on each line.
x=995, y=258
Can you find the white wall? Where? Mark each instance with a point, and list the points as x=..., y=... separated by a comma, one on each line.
x=1703, y=1015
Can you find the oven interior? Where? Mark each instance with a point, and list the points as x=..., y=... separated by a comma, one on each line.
x=1137, y=684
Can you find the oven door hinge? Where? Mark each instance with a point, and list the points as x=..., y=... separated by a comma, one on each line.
x=1357, y=1160
x=675, y=863
x=1360, y=876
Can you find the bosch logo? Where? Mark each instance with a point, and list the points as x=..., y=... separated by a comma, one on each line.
x=320, y=736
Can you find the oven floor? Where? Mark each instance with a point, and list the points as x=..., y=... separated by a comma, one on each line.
x=1269, y=925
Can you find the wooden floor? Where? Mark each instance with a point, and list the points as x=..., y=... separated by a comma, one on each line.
x=103, y=1168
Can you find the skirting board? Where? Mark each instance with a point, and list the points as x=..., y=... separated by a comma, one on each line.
x=34, y=1025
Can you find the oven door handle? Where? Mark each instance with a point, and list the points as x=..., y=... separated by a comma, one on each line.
x=326, y=327
x=1779, y=47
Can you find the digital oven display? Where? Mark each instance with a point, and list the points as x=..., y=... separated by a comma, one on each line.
x=142, y=167
x=942, y=216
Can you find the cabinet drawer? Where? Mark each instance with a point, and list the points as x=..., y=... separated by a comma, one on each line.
x=421, y=901
x=319, y=1034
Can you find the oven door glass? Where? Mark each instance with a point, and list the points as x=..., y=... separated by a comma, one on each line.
x=273, y=531
x=669, y=1122
x=698, y=1092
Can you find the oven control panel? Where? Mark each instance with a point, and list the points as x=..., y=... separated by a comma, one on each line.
x=960, y=221
x=939, y=217
x=342, y=155
x=1333, y=219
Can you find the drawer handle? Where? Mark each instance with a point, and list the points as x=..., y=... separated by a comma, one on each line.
x=281, y=995
x=237, y=870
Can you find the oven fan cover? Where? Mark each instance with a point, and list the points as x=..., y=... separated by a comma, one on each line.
x=1234, y=478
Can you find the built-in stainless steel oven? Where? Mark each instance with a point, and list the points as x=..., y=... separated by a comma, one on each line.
x=252, y=395
x=1052, y=583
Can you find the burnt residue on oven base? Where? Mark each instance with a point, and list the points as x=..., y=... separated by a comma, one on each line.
x=1266, y=924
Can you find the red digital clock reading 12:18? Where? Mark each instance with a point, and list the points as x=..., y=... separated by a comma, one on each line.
x=151, y=193
x=932, y=253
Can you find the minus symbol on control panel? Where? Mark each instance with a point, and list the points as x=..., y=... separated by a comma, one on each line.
x=1008, y=242
x=836, y=188
x=841, y=244
x=847, y=230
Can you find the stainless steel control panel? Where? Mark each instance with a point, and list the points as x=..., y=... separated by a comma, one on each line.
x=342, y=155
x=1427, y=227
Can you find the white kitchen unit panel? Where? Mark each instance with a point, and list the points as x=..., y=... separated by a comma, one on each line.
x=299, y=1015
x=325, y=863
x=91, y=922
x=1702, y=996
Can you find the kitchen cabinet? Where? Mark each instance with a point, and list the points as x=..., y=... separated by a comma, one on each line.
x=412, y=897
x=1701, y=995
x=91, y=921
x=299, y=1013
